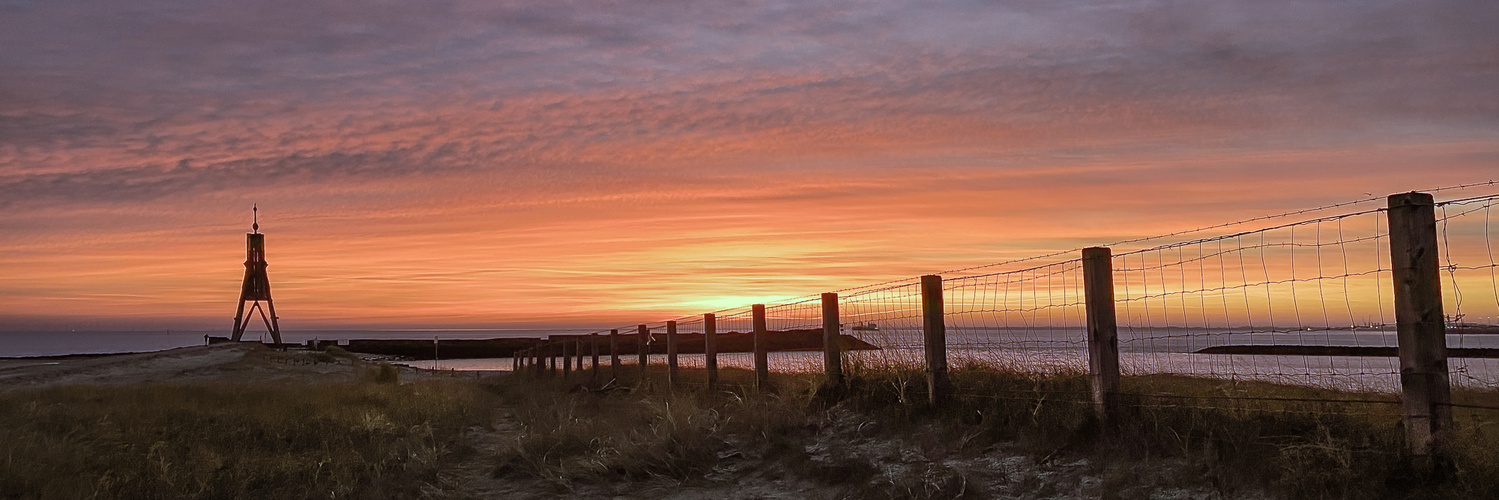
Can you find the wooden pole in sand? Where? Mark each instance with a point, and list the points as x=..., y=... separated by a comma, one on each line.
x=710, y=348
x=1420, y=325
x=762, y=357
x=614, y=353
x=671, y=353
x=593, y=347
x=567, y=360
x=934, y=329
x=832, y=353
x=643, y=335
x=1103, y=331
x=556, y=352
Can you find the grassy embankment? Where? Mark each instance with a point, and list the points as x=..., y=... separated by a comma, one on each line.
x=1285, y=447
x=381, y=439
x=371, y=439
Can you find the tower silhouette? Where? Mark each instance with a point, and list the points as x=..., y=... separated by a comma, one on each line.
x=257, y=285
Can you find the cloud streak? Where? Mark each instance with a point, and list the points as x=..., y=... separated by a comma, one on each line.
x=710, y=131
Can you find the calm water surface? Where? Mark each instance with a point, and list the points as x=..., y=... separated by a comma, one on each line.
x=1142, y=351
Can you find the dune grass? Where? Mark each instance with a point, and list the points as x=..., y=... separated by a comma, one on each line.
x=217, y=440
x=1292, y=441
x=1226, y=436
x=649, y=431
x=384, y=439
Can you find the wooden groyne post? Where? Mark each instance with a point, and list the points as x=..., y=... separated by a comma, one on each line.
x=934, y=329
x=614, y=353
x=832, y=353
x=1419, y=322
x=762, y=358
x=671, y=353
x=644, y=338
x=593, y=348
x=567, y=360
x=578, y=354
x=1103, y=331
x=710, y=348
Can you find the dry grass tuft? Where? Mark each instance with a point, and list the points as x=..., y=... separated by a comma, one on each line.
x=231, y=440
x=566, y=437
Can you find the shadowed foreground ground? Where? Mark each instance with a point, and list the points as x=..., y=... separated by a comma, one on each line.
x=194, y=423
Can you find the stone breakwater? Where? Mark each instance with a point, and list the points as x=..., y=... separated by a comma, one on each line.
x=628, y=344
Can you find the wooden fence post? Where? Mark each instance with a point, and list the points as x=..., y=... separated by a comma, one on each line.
x=593, y=348
x=644, y=339
x=762, y=358
x=671, y=353
x=832, y=352
x=578, y=354
x=552, y=355
x=567, y=360
x=935, y=330
x=1419, y=322
x=1103, y=331
x=614, y=353
x=710, y=348
x=539, y=363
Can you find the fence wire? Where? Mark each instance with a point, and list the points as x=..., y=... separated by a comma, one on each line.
x=1307, y=303
x=889, y=318
x=1027, y=320
x=1466, y=229
x=737, y=323
x=1219, y=307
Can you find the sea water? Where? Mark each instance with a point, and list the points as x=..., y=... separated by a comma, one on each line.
x=1042, y=350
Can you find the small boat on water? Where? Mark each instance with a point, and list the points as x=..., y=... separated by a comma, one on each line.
x=866, y=327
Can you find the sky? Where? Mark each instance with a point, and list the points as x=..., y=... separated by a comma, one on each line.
x=537, y=164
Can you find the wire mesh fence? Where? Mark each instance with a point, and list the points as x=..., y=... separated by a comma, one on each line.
x=734, y=327
x=1028, y=320
x=1232, y=306
x=795, y=323
x=1306, y=303
x=1466, y=229
x=889, y=318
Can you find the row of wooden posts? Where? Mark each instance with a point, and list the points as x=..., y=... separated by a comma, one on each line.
x=1419, y=319
x=544, y=359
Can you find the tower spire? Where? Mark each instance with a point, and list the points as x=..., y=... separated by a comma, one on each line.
x=255, y=214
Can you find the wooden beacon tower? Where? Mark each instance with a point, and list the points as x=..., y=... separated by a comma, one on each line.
x=257, y=285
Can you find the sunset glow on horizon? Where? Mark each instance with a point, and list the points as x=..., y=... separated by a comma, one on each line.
x=535, y=164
